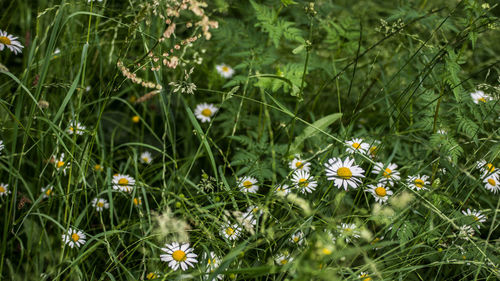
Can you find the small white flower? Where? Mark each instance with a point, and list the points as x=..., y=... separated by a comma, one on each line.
x=297, y=238
x=441, y=132
x=476, y=215
x=178, y=255
x=248, y=184
x=299, y=164
x=123, y=182
x=205, y=111
x=389, y=173
x=74, y=237
x=357, y=145
x=146, y=157
x=485, y=167
x=60, y=164
x=418, y=182
x=11, y=42
x=465, y=231
x=225, y=70
x=348, y=231
x=283, y=259
x=213, y=262
x=100, y=204
x=492, y=183
x=380, y=192
x=47, y=191
x=480, y=96
x=303, y=181
x=282, y=188
x=344, y=173
x=2, y=146
x=57, y=51
x=4, y=189
x=374, y=147
x=75, y=128
x=231, y=231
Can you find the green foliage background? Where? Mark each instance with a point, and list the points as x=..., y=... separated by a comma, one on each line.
x=309, y=75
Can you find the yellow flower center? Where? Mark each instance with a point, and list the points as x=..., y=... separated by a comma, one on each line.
x=100, y=204
x=48, y=192
x=481, y=99
x=71, y=129
x=303, y=183
x=229, y=231
x=419, y=183
x=475, y=218
x=247, y=184
x=75, y=237
x=225, y=69
x=298, y=165
x=5, y=40
x=356, y=145
x=344, y=173
x=60, y=164
x=492, y=182
x=97, y=167
x=151, y=275
x=387, y=173
x=491, y=168
x=135, y=119
x=380, y=191
x=365, y=277
x=2, y=189
x=284, y=261
x=296, y=239
x=137, y=201
x=373, y=149
x=179, y=256
x=145, y=159
x=206, y=112
x=326, y=251
x=123, y=181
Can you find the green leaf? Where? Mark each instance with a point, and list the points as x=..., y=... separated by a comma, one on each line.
x=288, y=2
x=313, y=129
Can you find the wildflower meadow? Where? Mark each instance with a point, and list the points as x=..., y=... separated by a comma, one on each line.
x=249, y=140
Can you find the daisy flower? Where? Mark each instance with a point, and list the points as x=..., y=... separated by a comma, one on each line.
x=364, y=276
x=213, y=262
x=357, y=145
x=465, y=231
x=299, y=164
x=348, y=231
x=380, y=192
x=74, y=237
x=283, y=188
x=136, y=119
x=178, y=255
x=146, y=157
x=418, y=182
x=492, y=183
x=283, y=259
x=389, y=173
x=11, y=42
x=137, y=201
x=60, y=164
x=225, y=70
x=153, y=275
x=297, y=238
x=75, y=128
x=47, y=191
x=2, y=146
x=344, y=173
x=4, y=189
x=98, y=168
x=248, y=184
x=374, y=148
x=476, y=215
x=485, y=167
x=304, y=181
x=123, y=182
x=231, y=231
x=480, y=96
x=100, y=204
x=205, y=111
